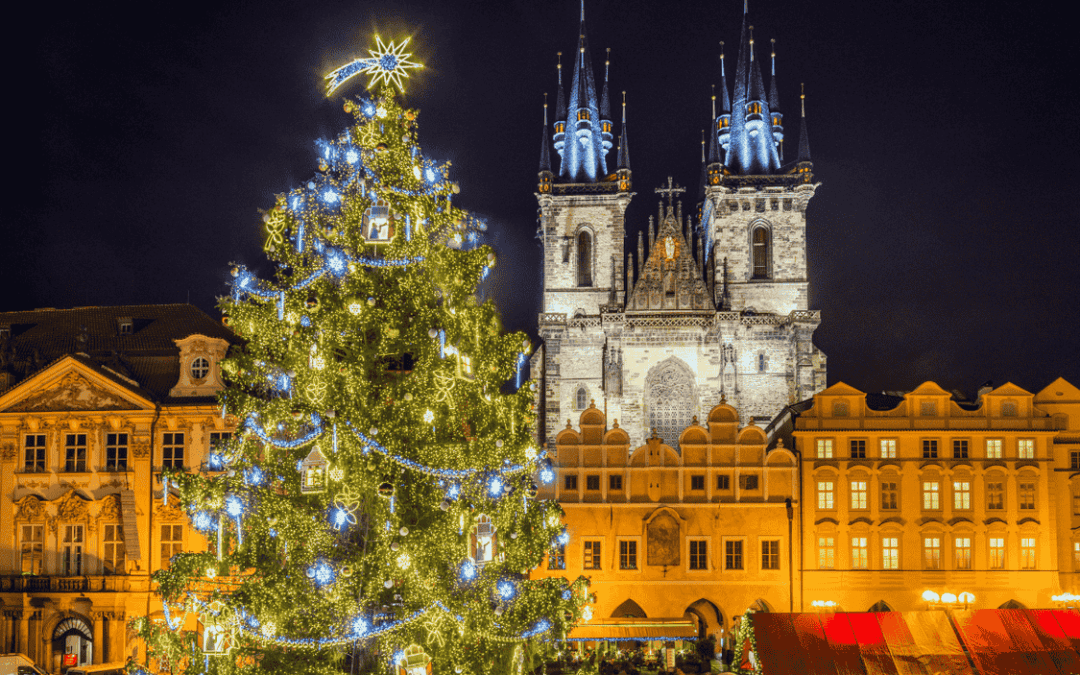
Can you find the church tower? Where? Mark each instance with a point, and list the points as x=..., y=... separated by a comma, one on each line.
x=753, y=220
x=583, y=202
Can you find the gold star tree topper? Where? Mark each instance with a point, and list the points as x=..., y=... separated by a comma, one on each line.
x=388, y=63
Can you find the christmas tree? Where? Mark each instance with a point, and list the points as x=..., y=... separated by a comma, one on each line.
x=376, y=510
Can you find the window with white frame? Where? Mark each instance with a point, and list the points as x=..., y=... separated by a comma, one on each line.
x=824, y=448
x=172, y=542
x=116, y=452
x=997, y=553
x=592, y=555
x=931, y=495
x=75, y=453
x=961, y=495
x=733, y=555
x=960, y=448
x=770, y=554
x=34, y=453
x=628, y=554
x=826, y=552
x=1025, y=448
x=172, y=450
x=993, y=448
x=113, y=554
x=699, y=554
x=929, y=448
x=962, y=552
x=860, y=555
x=826, y=493
x=71, y=551
x=932, y=553
x=31, y=549
x=857, y=446
x=887, y=447
x=1027, y=553
x=859, y=494
x=890, y=553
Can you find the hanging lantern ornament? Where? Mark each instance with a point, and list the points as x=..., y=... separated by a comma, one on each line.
x=414, y=661
x=386, y=490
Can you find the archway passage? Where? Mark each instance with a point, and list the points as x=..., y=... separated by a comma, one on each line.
x=1012, y=604
x=629, y=609
x=669, y=394
x=709, y=618
x=72, y=644
x=880, y=606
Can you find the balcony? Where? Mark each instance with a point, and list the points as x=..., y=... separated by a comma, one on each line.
x=59, y=584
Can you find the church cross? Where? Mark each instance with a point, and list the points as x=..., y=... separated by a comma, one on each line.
x=670, y=191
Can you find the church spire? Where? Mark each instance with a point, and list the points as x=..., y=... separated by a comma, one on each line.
x=804, y=140
x=623, y=170
x=545, y=149
x=752, y=148
x=583, y=159
x=774, y=107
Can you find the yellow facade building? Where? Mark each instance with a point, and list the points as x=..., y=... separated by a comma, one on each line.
x=921, y=493
x=662, y=533
x=93, y=403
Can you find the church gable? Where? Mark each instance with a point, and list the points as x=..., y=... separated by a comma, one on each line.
x=70, y=385
x=670, y=278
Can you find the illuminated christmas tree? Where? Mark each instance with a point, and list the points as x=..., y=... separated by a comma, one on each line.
x=376, y=509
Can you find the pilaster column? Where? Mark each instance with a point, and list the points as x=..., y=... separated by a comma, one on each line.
x=24, y=632
x=99, y=636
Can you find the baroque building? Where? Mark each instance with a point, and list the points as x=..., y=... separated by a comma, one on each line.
x=713, y=305
x=922, y=492
x=93, y=403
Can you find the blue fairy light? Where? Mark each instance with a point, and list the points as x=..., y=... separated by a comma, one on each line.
x=321, y=573
x=254, y=476
x=431, y=175
x=305, y=322
x=566, y=595
x=336, y=262
x=296, y=203
x=233, y=506
x=214, y=461
x=506, y=589
x=331, y=197
x=495, y=489
x=454, y=491
x=369, y=109
x=340, y=518
x=360, y=626
x=203, y=521
x=563, y=538
x=468, y=570
x=352, y=156
x=547, y=475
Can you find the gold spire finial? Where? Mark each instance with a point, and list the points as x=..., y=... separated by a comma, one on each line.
x=714, y=102
x=802, y=97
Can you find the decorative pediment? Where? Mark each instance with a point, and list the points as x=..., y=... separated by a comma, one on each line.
x=30, y=507
x=71, y=507
x=670, y=278
x=110, y=508
x=168, y=512
x=74, y=391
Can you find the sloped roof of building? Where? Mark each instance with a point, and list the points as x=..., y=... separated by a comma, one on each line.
x=32, y=340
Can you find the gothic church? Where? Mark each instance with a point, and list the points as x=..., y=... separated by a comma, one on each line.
x=712, y=307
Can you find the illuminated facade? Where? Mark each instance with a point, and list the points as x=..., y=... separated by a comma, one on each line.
x=904, y=495
x=716, y=304
x=661, y=533
x=93, y=403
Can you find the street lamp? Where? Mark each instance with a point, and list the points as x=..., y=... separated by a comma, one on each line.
x=947, y=600
x=824, y=605
x=1065, y=600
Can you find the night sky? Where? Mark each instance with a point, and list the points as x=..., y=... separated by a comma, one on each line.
x=942, y=242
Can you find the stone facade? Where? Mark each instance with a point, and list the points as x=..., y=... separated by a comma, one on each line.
x=82, y=442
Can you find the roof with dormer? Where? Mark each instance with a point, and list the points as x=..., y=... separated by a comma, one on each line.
x=670, y=278
x=147, y=356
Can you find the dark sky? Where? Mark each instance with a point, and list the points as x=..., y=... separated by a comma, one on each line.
x=942, y=242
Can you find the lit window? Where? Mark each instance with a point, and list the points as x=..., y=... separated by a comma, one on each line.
x=961, y=495
x=889, y=495
x=71, y=551
x=932, y=553
x=960, y=448
x=172, y=450
x=733, y=555
x=826, y=553
x=697, y=482
x=200, y=368
x=858, y=494
x=35, y=453
x=592, y=555
x=557, y=557
x=825, y=493
x=824, y=448
x=890, y=553
x=31, y=549
x=113, y=561
x=993, y=448
x=997, y=553
x=628, y=555
x=116, y=452
x=995, y=496
x=962, y=550
x=929, y=449
x=1027, y=553
x=172, y=542
x=931, y=499
x=860, y=558
x=888, y=448
x=699, y=555
x=75, y=453
x=1025, y=448
x=1027, y=496
x=770, y=555
x=858, y=449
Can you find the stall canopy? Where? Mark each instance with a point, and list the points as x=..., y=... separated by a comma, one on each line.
x=634, y=629
x=962, y=642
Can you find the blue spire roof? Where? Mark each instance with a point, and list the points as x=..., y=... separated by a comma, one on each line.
x=583, y=154
x=752, y=148
x=624, y=140
x=545, y=144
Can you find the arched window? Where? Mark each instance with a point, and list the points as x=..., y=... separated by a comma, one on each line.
x=670, y=400
x=582, y=399
x=761, y=253
x=584, y=259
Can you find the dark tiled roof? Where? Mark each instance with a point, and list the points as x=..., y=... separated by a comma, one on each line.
x=883, y=402
x=148, y=354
